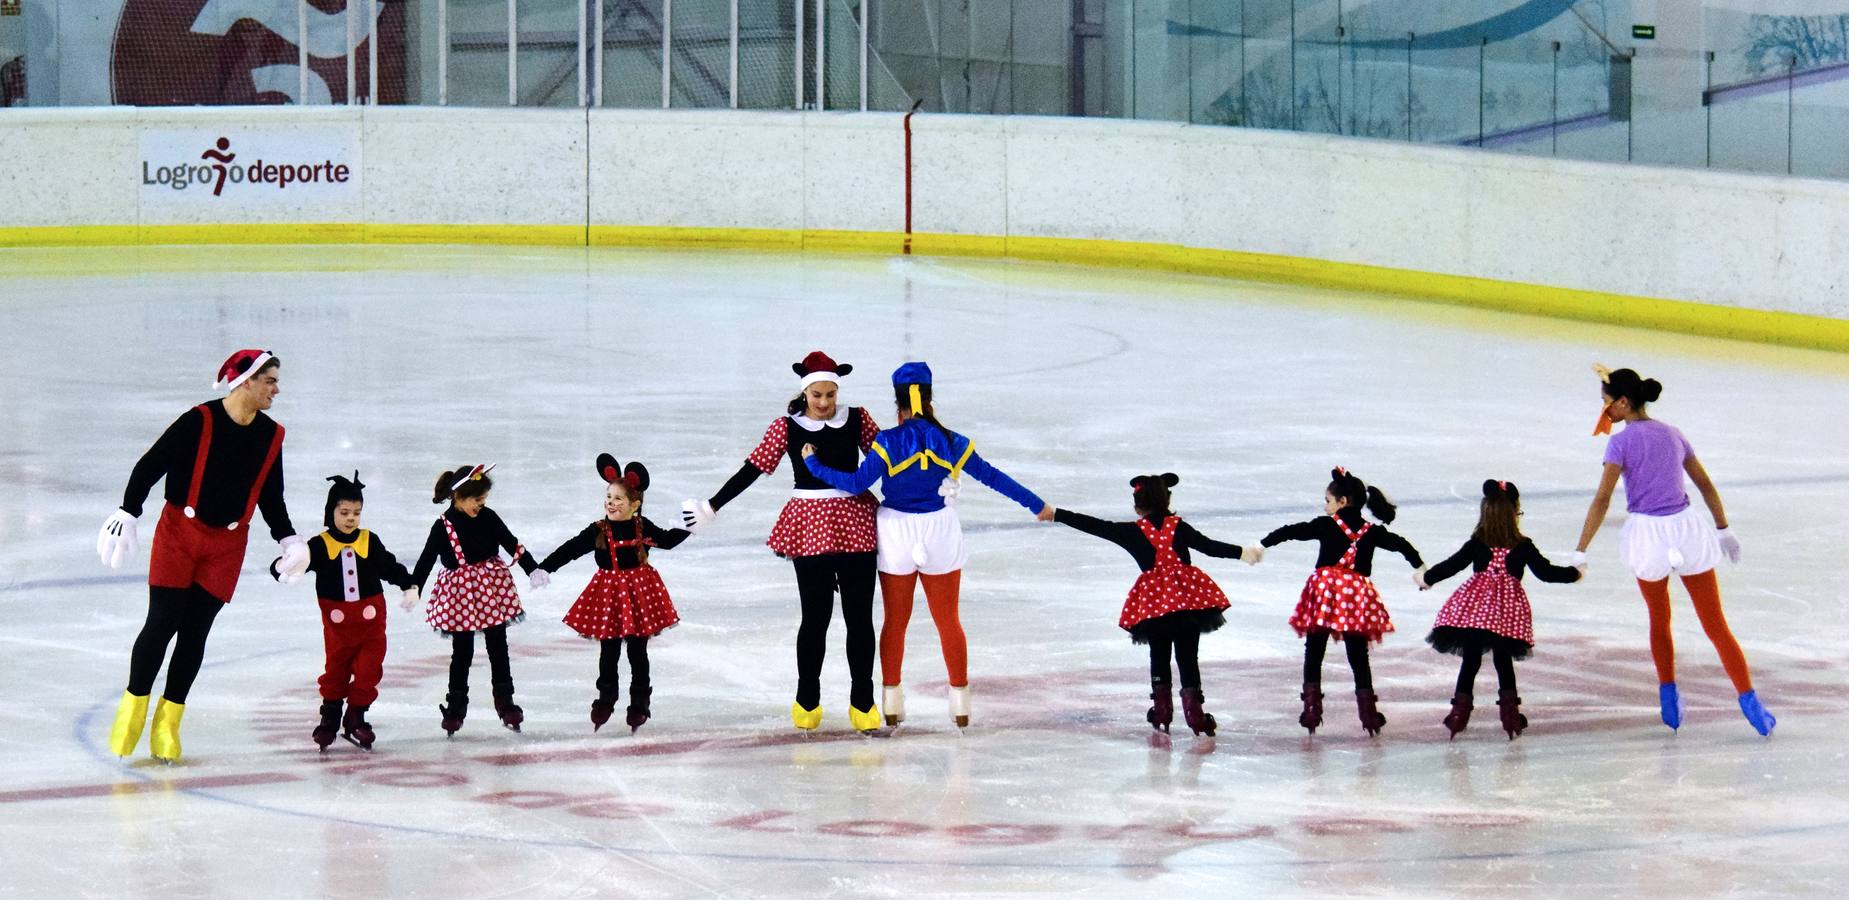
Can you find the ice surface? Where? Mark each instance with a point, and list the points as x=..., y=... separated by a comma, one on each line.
x=404, y=362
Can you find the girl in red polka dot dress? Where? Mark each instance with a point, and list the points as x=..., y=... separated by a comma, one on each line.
x=1340, y=599
x=474, y=592
x=1490, y=611
x=625, y=604
x=1173, y=603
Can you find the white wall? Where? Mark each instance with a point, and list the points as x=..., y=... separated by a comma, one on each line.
x=1742, y=240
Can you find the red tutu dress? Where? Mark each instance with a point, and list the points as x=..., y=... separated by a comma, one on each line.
x=1341, y=601
x=1173, y=595
x=1489, y=609
x=621, y=603
x=474, y=596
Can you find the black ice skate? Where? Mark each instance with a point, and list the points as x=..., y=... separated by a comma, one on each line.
x=356, y=729
x=1459, y=716
x=454, y=712
x=1371, y=718
x=1510, y=705
x=601, y=708
x=1162, y=706
x=1312, y=715
x=637, y=714
x=511, y=714
x=330, y=723
x=1194, y=711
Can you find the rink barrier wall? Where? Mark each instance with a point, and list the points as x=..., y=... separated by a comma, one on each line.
x=1753, y=259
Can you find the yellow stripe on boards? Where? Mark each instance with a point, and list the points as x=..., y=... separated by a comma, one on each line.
x=1678, y=316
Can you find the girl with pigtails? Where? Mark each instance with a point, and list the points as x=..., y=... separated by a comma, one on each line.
x=1664, y=535
x=1340, y=599
x=1490, y=612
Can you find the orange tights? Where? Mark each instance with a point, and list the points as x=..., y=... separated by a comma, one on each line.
x=941, y=594
x=1706, y=594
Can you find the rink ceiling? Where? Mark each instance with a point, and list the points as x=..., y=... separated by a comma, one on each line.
x=406, y=361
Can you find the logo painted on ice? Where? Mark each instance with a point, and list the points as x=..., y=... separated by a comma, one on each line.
x=219, y=169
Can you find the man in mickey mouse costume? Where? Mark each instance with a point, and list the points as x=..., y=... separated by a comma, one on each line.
x=223, y=462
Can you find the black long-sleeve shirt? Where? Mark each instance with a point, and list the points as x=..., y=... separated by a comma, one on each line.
x=375, y=565
x=1334, y=543
x=482, y=536
x=591, y=541
x=231, y=467
x=1523, y=556
x=1129, y=536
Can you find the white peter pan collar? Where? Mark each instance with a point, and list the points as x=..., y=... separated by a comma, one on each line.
x=809, y=424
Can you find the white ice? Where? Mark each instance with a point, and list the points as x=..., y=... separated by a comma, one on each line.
x=403, y=362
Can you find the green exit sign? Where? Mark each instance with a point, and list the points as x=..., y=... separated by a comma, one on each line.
x=1644, y=32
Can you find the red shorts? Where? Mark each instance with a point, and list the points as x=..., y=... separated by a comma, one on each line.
x=189, y=552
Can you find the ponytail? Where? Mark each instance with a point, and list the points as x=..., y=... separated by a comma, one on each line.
x=1350, y=488
x=902, y=396
x=1379, y=506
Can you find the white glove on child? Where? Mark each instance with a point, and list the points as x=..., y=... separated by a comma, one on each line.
x=539, y=579
x=1252, y=555
x=116, y=541
x=949, y=489
x=1418, y=580
x=294, y=560
x=408, y=600
x=697, y=514
x=1730, y=545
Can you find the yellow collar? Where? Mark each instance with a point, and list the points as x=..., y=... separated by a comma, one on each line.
x=362, y=542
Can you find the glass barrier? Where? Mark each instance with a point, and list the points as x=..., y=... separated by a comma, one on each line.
x=1716, y=84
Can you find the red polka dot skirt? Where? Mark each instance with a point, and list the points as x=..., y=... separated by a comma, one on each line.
x=476, y=596
x=621, y=603
x=1342, y=602
x=1493, y=601
x=1171, y=586
x=812, y=527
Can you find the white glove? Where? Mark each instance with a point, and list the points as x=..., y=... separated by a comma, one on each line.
x=1252, y=555
x=697, y=514
x=949, y=489
x=539, y=579
x=1730, y=545
x=116, y=541
x=408, y=600
x=282, y=575
x=1578, y=561
x=294, y=559
x=1418, y=580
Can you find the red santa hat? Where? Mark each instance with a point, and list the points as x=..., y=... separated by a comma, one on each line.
x=240, y=366
x=819, y=366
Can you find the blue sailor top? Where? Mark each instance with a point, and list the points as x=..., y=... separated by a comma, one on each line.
x=914, y=458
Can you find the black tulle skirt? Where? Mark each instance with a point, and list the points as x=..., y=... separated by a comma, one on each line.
x=1177, y=624
x=1460, y=641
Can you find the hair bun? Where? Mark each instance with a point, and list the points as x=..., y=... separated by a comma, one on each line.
x=1649, y=390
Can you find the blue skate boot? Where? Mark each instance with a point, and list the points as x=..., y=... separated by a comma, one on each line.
x=1763, y=721
x=1672, y=704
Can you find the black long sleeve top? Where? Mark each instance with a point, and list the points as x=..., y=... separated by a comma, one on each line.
x=375, y=565
x=482, y=537
x=1523, y=556
x=591, y=541
x=1334, y=543
x=1129, y=536
x=231, y=467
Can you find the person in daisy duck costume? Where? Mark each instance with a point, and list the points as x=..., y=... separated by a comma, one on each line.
x=350, y=567
x=222, y=461
x=920, y=462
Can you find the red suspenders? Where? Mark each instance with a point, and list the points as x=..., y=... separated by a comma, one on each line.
x=205, y=448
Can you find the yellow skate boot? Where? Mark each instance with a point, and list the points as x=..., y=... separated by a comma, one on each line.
x=131, y=717
x=164, y=743
x=806, y=719
x=864, y=722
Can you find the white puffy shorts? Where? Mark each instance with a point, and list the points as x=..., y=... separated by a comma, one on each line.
x=1654, y=547
x=931, y=543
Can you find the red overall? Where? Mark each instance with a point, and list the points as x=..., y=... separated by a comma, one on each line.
x=1341, y=601
x=187, y=551
x=353, y=628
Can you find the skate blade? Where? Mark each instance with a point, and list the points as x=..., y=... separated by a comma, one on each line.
x=355, y=742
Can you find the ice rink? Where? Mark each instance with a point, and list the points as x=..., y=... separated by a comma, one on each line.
x=402, y=362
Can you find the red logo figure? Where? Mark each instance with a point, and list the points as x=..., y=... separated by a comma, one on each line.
x=221, y=159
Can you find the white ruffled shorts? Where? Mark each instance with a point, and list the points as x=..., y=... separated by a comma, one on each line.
x=1655, y=547
x=931, y=543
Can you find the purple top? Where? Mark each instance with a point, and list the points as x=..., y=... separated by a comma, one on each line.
x=1651, y=455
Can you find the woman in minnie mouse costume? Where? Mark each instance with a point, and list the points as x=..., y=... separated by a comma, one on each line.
x=626, y=603
x=826, y=534
x=222, y=461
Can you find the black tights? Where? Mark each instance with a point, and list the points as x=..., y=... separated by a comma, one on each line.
x=1187, y=652
x=462, y=655
x=609, y=665
x=183, y=612
x=1317, y=642
x=1473, y=660
x=817, y=580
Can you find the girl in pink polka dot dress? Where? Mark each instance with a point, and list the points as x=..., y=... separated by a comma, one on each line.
x=1340, y=599
x=474, y=592
x=1490, y=611
x=1173, y=603
x=626, y=603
